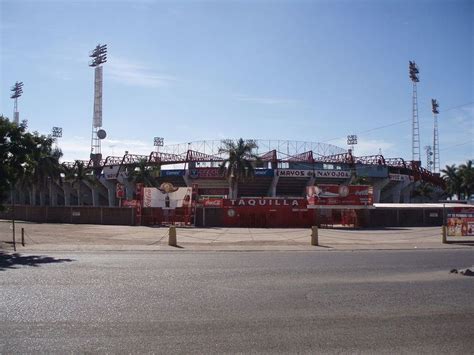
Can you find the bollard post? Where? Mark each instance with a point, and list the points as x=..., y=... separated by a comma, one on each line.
x=172, y=236
x=22, y=236
x=444, y=235
x=314, y=236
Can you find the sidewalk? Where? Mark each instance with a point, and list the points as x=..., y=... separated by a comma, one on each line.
x=86, y=237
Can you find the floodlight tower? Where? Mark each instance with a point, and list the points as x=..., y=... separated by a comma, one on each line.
x=435, y=110
x=352, y=141
x=415, y=143
x=16, y=90
x=158, y=142
x=57, y=132
x=99, y=57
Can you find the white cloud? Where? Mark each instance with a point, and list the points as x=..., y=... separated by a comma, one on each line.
x=135, y=74
x=265, y=100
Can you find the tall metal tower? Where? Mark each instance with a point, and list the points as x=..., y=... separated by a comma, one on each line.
x=429, y=158
x=415, y=143
x=435, y=110
x=99, y=57
x=16, y=90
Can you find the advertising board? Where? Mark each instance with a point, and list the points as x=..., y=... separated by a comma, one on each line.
x=206, y=173
x=110, y=172
x=298, y=173
x=178, y=197
x=359, y=195
x=461, y=222
x=171, y=173
x=265, y=202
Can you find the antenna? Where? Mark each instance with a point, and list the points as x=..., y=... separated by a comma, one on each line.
x=415, y=143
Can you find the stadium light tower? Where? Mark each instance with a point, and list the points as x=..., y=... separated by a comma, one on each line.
x=16, y=90
x=158, y=142
x=57, y=132
x=99, y=57
x=435, y=110
x=415, y=143
x=352, y=141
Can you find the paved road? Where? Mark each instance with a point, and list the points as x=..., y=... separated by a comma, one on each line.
x=209, y=302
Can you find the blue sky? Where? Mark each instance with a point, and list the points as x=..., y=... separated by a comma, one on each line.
x=192, y=70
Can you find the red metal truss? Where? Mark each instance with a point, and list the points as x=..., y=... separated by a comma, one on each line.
x=396, y=162
x=371, y=159
x=337, y=158
x=166, y=158
x=109, y=161
x=269, y=156
x=306, y=157
x=194, y=156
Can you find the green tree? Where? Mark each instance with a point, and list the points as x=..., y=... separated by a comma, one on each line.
x=16, y=148
x=238, y=165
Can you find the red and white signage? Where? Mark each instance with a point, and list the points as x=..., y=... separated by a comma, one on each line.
x=131, y=203
x=339, y=195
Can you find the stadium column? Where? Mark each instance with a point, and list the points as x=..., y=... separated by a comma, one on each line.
x=94, y=192
x=378, y=185
x=67, y=188
x=396, y=191
x=406, y=191
x=110, y=186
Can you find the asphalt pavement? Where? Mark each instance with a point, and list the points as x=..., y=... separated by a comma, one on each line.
x=237, y=302
x=88, y=237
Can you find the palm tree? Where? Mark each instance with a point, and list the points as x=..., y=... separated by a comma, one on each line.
x=77, y=175
x=466, y=176
x=142, y=172
x=238, y=166
x=453, y=180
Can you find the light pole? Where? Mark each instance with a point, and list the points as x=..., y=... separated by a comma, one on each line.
x=435, y=110
x=16, y=90
x=415, y=143
x=99, y=57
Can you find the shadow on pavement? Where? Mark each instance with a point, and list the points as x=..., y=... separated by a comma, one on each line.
x=11, y=261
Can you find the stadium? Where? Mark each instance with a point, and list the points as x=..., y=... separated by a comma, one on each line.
x=294, y=184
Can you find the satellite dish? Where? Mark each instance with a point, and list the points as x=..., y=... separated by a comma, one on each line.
x=101, y=133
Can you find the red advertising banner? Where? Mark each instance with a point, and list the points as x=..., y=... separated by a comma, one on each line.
x=358, y=195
